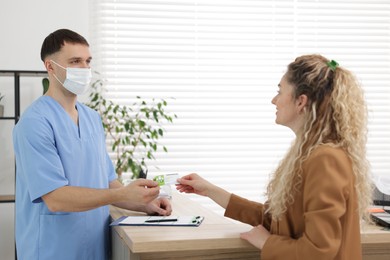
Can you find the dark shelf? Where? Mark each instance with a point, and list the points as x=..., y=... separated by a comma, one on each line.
x=16, y=74
x=7, y=198
x=7, y=118
x=26, y=73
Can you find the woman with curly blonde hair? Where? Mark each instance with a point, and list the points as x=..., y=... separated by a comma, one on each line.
x=321, y=189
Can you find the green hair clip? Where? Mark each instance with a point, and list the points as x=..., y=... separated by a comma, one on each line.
x=332, y=65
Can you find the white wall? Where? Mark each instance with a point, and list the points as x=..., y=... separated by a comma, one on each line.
x=25, y=23
x=23, y=26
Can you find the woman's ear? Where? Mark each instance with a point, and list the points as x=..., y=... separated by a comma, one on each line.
x=301, y=102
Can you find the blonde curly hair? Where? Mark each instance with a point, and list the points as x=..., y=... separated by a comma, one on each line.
x=336, y=115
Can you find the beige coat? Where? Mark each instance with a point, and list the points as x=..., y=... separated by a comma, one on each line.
x=323, y=222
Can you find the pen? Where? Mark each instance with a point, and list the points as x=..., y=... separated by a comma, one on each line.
x=161, y=220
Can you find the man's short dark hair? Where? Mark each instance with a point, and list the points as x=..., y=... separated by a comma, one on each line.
x=54, y=41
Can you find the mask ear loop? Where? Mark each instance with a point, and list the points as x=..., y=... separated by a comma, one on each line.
x=58, y=64
x=58, y=79
x=55, y=76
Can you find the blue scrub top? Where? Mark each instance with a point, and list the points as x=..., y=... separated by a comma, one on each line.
x=52, y=151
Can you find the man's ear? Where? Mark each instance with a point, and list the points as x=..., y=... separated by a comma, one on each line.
x=48, y=65
x=302, y=102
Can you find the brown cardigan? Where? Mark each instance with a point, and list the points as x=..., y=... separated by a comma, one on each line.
x=322, y=223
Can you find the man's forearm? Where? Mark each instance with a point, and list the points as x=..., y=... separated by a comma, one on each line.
x=76, y=199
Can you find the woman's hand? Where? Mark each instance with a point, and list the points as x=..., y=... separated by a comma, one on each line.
x=257, y=236
x=193, y=183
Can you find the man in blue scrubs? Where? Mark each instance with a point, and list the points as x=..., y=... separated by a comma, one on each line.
x=65, y=179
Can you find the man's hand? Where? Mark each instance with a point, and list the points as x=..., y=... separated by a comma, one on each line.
x=140, y=191
x=160, y=206
x=142, y=196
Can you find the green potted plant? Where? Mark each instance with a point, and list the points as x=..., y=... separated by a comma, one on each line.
x=1, y=106
x=133, y=131
x=45, y=85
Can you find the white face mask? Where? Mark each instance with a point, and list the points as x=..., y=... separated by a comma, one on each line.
x=77, y=79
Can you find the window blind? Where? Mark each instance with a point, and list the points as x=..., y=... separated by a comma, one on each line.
x=218, y=64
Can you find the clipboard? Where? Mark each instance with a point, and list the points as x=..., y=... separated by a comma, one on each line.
x=178, y=221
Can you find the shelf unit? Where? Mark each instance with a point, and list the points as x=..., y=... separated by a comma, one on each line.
x=17, y=75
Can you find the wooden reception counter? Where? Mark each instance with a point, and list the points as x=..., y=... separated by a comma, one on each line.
x=216, y=238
